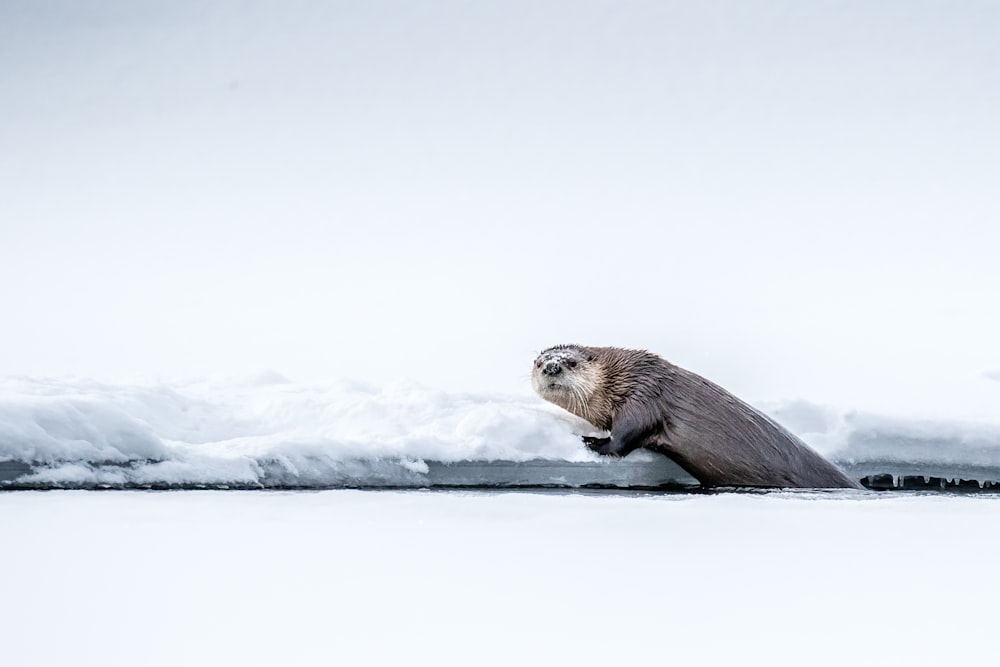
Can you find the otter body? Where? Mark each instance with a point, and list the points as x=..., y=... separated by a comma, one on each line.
x=645, y=401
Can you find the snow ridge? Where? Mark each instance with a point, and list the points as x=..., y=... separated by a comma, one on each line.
x=266, y=431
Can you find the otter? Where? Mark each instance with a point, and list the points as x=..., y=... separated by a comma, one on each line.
x=645, y=401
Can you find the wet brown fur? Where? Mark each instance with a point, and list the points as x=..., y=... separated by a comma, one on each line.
x=645, y=401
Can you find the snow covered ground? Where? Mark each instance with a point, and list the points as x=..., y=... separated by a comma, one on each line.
x=794, y=201
x=269, y=432
x=416, y=577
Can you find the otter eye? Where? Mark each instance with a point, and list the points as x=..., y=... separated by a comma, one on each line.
x=538, y=364
x=571, y=363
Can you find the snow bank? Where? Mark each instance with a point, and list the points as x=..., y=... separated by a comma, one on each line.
x=867, y=444
x=267, y=431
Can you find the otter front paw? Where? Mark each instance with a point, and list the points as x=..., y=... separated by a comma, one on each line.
x=600, y=445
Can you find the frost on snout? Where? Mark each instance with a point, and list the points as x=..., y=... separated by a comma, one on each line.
x=561, y=376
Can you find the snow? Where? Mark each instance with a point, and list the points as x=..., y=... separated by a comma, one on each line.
x=224, y=432
x=799, y=205
x=269, y=431
x=352, y=577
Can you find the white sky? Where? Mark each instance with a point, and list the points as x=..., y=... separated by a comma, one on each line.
x=794, y=199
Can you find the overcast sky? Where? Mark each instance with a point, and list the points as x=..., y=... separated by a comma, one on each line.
x=798, y=200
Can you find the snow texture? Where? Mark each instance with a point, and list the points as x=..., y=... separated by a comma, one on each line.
x=459, y=578
x=267, y=431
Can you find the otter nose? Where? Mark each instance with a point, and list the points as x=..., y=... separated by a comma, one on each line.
x=552, y=368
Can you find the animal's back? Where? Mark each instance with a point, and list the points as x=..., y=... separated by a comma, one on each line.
x=724, y=442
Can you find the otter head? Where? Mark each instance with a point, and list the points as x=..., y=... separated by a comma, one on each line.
x=569, y=376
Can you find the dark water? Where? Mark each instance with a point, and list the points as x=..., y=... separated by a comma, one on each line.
x=657, y=476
